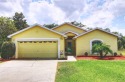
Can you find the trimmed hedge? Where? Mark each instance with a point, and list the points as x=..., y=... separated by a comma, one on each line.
x=7, y=50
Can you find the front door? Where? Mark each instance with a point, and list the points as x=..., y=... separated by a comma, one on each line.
x=69, y=47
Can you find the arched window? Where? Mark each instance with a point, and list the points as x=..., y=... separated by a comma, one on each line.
x=96, y=42
x=92, y=42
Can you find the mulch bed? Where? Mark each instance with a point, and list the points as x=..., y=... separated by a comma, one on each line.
x=4, y=60
x=98, y=58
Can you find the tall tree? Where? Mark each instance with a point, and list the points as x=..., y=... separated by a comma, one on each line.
x=50, y=25
x=6, y=27
x=19, y=21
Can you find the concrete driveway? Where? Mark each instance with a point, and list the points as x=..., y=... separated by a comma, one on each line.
x=28, y=71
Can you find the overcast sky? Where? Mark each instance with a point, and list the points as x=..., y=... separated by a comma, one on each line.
x=93, y=13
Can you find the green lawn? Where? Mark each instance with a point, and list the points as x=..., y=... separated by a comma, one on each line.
x=91, y=71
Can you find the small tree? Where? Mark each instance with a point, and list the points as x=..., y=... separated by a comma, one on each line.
x=7, y=50
x=102, y=49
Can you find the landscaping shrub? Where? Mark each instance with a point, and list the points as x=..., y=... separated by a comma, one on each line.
x=102, y=49
x=86, y=54
x=7, y=50
x=115, y=54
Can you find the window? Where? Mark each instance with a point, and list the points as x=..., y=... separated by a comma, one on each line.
x=40, y=41
x=54, y=41
x=96, y=42
x=21, y=42
x=30, y=41
x=69, y=44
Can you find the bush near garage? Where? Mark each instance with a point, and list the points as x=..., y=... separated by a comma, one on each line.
x=7, y=50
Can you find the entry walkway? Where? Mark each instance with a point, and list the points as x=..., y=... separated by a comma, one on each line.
x=69, y=59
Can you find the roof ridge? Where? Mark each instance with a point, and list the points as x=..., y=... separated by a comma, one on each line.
x=69, y=24
x=9, y=36
x=96, y=29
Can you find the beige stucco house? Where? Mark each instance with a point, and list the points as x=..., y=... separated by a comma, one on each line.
x=66, y=39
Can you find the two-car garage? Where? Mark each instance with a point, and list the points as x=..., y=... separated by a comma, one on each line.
x=38, y=42
x=37, y=48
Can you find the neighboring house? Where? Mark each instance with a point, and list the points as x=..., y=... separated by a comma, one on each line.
x=66, y=39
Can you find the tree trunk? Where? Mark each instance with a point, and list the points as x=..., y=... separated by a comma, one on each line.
x=105, y=55
x=101, y=54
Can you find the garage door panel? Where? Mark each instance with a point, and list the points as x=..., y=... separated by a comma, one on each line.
x=26, y=50
x=37, y=49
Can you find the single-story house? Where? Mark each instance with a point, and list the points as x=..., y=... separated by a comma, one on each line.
x=38, y=41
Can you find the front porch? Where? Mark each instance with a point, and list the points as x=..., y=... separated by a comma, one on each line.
x=70, y=46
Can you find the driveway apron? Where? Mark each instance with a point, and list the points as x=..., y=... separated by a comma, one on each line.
x=28, y=71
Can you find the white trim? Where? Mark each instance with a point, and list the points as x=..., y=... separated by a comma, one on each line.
x=58, y=48
x=71, y=25
x=96, y=29
x=16, y=52
x=71, y=32
x=91, y=43
x=37, y=39
x=9, y=36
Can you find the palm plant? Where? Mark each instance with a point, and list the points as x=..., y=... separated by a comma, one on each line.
x=102, y=49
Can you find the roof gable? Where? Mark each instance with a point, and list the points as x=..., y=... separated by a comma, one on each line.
x=9, y=36
x=96, y=29
x=71, y=32
x=70, y=25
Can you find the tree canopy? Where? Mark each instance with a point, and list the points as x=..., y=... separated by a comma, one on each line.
x=121, y=41
x=50, y=25
x=19, y=21
x=79, y=24
x=6, y=27
x=101, y=48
